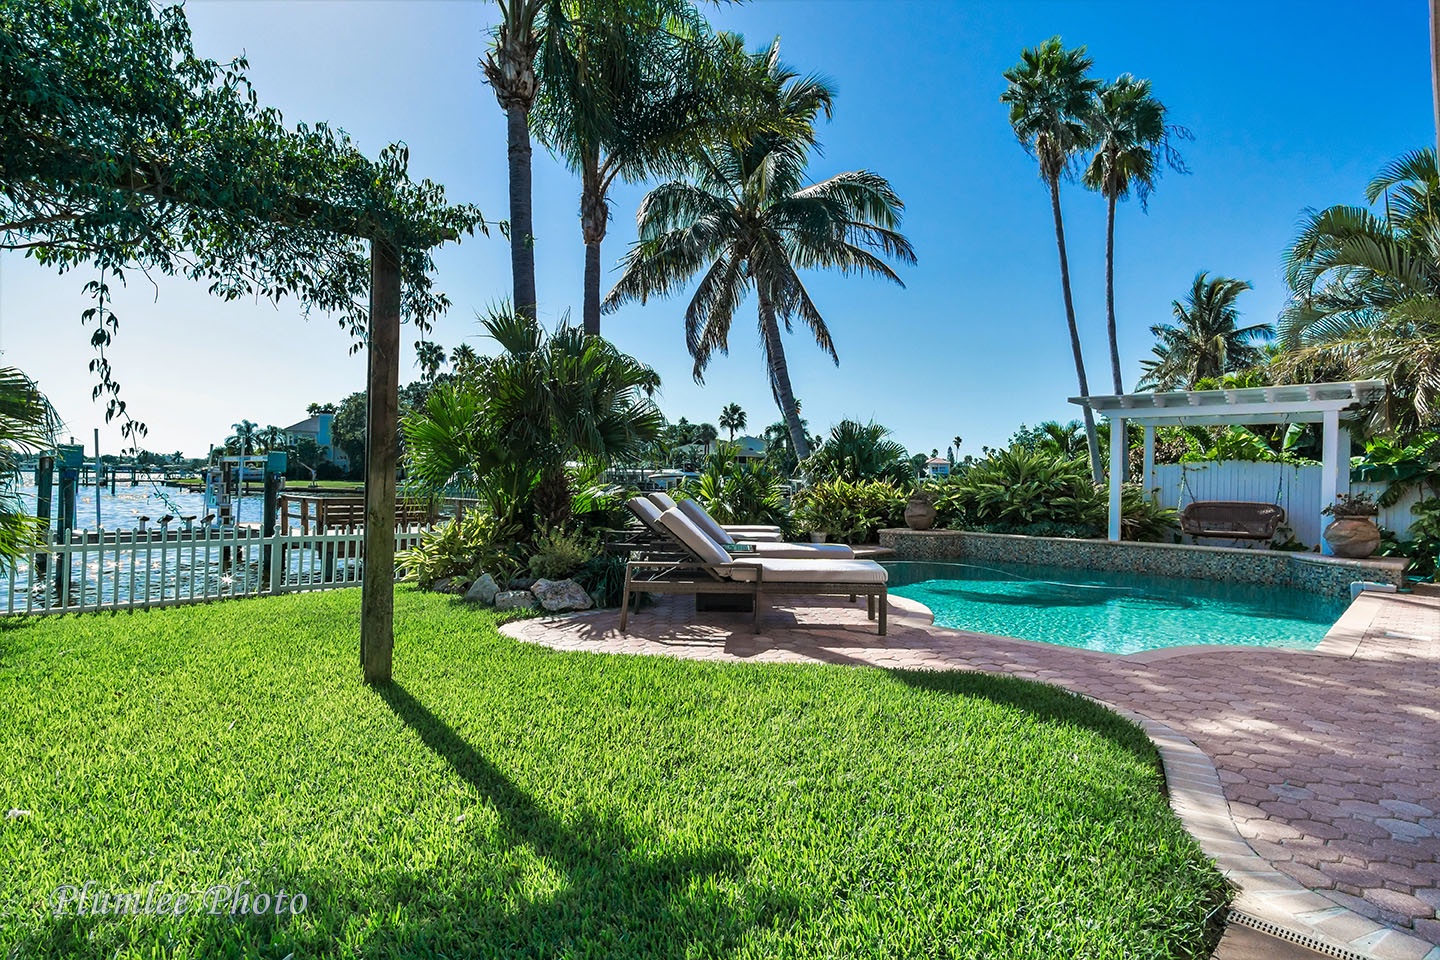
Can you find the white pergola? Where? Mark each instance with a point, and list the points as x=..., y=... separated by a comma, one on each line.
x=1331, y=405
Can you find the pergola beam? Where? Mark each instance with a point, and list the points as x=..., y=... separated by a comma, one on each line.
x=1328, y=404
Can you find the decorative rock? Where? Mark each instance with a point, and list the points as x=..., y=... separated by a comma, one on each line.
x=514, y=600
x=483, y=590
x=559, y=596
x=442, y=585
x=451, y=585
x=520, y=583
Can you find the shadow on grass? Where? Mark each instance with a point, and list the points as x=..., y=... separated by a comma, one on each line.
x=619, y=893
x=1049, y=704
x=609, y=892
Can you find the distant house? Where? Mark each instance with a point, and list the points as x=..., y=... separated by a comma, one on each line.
x=746, y=448
x=937, y=467
x=317, y=428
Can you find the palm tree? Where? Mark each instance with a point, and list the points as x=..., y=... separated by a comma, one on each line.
x=732, y=418
x=1051, y=98
x=745, y=217
x=272, y=437
x=242, y=441
x=1132, y=142
x=629, y=89
x=27, y=425
x=509, y=67
x=429, y=357
x=706, y=434
x=1208, y=341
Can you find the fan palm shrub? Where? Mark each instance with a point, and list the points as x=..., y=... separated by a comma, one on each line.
x=860, y=451
x=511, y=423
x=740, y=491
x=27, y=425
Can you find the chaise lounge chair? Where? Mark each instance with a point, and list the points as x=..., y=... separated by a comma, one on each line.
x=649, y=514
x=713, y=570
x=739, y=531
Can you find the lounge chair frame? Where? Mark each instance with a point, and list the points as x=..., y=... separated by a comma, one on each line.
x=671, y=577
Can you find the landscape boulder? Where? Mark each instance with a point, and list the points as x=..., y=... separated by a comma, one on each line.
x=483, y=590
x=514, y=600
x=451, y=585
x=561, y=596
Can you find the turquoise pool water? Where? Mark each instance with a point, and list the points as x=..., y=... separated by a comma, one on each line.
x=1113, y=612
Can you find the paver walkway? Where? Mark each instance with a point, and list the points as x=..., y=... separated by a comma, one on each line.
x=1328, y=759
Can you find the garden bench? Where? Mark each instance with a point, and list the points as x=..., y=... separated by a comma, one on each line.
x=1231, y=520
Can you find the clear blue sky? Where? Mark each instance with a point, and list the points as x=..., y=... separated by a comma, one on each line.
x=1292, y=105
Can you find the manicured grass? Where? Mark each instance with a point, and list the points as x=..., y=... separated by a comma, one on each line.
x=506, y=800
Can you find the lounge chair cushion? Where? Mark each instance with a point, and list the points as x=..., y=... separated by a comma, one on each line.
x=663, y=500
x=810, y=571
x=647, y=512
x=694, y=539
x=801, y=551
x=704, y=521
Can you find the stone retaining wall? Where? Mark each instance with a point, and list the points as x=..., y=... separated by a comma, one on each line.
x=1328, y=576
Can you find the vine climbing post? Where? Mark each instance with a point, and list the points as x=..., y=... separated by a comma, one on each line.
x=377, y=611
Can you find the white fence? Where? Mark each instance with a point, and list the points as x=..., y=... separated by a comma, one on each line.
x=1296, y=489
x=116, y=570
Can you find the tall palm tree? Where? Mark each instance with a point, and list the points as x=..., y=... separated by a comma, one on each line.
x=732, y=418
x=271, y=437
x=1051, y=97
x=429, y=357
x=746, y=218
x=1208, y=340
x=1132, y=146
x=27, y=425
x=625, y=93
x=509, y=67
x=244, y=438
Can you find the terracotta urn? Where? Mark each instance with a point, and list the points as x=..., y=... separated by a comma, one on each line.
x=1353, y=537
x=919, y=514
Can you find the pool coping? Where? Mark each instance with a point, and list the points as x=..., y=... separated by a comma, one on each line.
x=1262, y=892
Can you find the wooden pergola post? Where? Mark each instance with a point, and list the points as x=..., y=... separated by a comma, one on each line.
x=377, y=610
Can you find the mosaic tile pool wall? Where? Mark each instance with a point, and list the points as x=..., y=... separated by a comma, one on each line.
x=1327, y=576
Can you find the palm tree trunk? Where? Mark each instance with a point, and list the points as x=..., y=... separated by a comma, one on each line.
x=780, y=378
x=1435, y=66
x=1091, y=438
x=522, y=226
x=593, y=220
x=1110, y=297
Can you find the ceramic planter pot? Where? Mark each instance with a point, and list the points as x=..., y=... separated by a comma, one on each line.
x=1353, y=537
x=919, y=514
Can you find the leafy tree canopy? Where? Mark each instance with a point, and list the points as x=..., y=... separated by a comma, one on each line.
x=123, y=150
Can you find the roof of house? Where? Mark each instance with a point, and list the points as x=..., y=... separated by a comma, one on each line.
x=937, y=462
x=310, y=425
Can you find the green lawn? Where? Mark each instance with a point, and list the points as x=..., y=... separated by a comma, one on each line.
x=505, y=800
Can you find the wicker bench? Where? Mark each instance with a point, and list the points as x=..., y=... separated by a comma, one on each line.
x=1231, y=520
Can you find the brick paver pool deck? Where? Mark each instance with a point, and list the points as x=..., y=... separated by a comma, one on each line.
x=1312, y=777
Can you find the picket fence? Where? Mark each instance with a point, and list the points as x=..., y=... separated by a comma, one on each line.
x=125, y=569
x=1295, y=488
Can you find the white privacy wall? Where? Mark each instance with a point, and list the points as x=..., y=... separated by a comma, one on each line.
x=1296, y=489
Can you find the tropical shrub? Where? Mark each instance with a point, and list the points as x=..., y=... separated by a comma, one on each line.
x=557, y=553
x=850, y=511
x=735, y=491
x=477, y=542
x=1422, y=546
x=511, y=423
x=1035, y=493
x=860, y=451
x=603, y=577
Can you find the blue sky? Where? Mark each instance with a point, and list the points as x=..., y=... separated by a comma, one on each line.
x=1292, y=105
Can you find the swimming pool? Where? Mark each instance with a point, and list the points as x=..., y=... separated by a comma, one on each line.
x=1113, y=612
